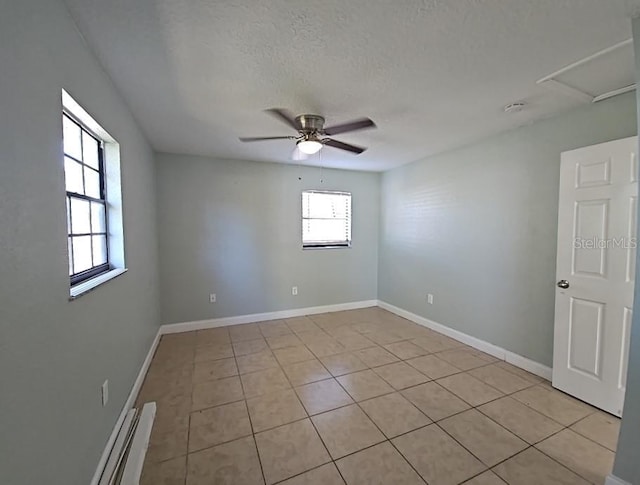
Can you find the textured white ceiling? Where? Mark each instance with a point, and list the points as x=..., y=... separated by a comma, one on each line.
x=433, y=74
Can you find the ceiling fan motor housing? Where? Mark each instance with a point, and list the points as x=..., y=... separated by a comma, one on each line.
x=310, y=123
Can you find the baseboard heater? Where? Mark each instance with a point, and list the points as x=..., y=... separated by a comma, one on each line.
x=126, y=459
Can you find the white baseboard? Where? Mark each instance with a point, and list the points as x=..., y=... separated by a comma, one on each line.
x=261, y=317
x=131, y=399
x=498, y=352
x=613, y=480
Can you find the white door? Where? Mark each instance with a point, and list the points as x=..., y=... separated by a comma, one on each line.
x=595, y=272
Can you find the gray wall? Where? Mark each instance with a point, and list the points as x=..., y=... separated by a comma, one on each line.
x=477, y=228
x=233, y=228
x=627, y=465
x=55, y=354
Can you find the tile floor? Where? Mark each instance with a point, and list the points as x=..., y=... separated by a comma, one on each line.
x=360, y=397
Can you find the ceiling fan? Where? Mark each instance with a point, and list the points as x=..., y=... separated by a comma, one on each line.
x=312, y=134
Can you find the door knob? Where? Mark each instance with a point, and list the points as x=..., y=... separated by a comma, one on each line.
x=564, y=284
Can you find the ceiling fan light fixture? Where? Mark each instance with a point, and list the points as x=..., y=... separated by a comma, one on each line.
x=309, y=146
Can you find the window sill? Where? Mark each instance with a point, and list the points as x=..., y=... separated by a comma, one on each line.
x=338, y=246
x=86, y=286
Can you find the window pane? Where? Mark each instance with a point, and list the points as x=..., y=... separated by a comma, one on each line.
x=70, y=258
x=99, y=250
x=73, y=176
x=324, y=230
x=68, y=216
x=324, y=206
x=89, y=150
x=80, y=216
x=71, y=138
x=91, y=183
x=81, y=253
x=97, y=217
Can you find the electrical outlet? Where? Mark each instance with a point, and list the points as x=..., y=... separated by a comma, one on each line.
x=212, y=298
x=294, y=290
x=429, y=298
x=105, y=393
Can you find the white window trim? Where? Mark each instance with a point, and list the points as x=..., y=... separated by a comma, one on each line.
x=113, y=197
x=349, y=243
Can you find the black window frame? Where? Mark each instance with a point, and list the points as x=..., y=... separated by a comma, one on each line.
x=329, y=244
x=82, y=276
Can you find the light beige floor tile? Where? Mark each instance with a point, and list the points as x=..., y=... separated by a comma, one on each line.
x=254, y=362
x=527, y=376
x=275, y=409
x=213, y=393
x=250, y=347
x=437, y=457
x=436, y=343
x=234, y=463
x=433, y=367
x=379, y=465
x=375, y=356
x=290, y=450
x=553, y=404
x=534, y=468
x=170, y=472
x=300, y=324
x=500, y=379
x=312, y=336
x=405, y=350
x=393, y=414
x=434, y=400
x=218, y=425
x=325, y=346
x=248, y=331
x=283, y=341
x=486, y=478
x=601, y=428
x=322, y=396
x=462, y=359
x=521, y=420
x=340, y=364
x=214, y=369
x=588, y=459
x=364, y=385
x=212, y=336
x=291, y=355
x=274, y=328
x=168, y=419
x=483, y=437
x=323, y=475
x=346, y=430
x=264, y=382
x=166, y=445
x=400, y=375
x=356, y=342
x=306, y=372
x=213, y=352
x=470, y=389
x=382, y=337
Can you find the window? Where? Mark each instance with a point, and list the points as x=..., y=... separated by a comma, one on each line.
x=86, y=201
x=95, y=236
x=326, y=219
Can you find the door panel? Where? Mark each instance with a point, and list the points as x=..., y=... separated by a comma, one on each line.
x=596, y=255
x=591, y=222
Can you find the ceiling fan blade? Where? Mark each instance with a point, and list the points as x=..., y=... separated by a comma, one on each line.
x=285, y=116
x=263, y=138
x=354, y=125
x=343, y=146
x=298, y=155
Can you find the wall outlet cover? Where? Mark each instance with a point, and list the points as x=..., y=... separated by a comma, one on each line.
x=294, y=290
x=105, y=393
x=212, y=298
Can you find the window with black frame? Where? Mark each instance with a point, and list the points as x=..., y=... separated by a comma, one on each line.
x=86, y=201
